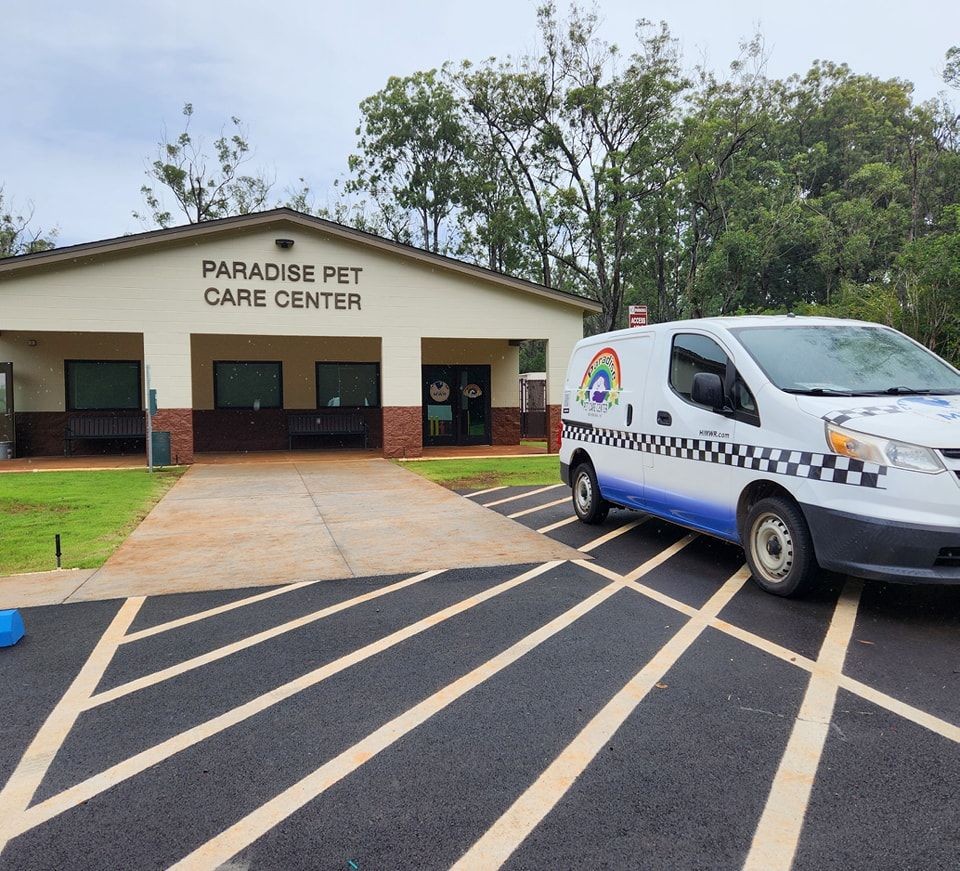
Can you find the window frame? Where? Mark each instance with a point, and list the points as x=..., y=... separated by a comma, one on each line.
x=216, y=393
x=67, y=381
x=316, y=381
x=730, y=375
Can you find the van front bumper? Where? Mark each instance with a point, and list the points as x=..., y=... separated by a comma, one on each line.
x=884, y=550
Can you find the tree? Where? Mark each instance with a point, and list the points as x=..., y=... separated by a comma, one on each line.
x=17, y=235
x=951, y=71
x=409, y=152
x=204, y=186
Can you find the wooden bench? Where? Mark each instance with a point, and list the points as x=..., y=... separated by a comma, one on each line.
x=81, y=427
x=316, y=423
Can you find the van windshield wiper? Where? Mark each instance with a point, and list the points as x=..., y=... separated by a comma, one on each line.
x=897, y=391
x=817, y=391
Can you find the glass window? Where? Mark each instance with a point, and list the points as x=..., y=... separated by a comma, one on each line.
x=692, y=354
x=350, y=385
x=247, y=384
x=103, y=384
x=846, y=359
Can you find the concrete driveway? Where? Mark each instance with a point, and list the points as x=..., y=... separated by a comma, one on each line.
x=230, y=526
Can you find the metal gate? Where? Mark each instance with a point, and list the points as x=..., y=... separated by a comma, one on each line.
x=533, y=409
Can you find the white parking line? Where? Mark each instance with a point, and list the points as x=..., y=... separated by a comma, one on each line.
x=94, y=785
x=778, y=832
x=552, y=526
x=32, y=768
x=522, y=495
x=500, y=841
x=213, y=612
x=614, y=533
x=172, y=671
x=237, y=837
x=537, y=508
x=483, y=492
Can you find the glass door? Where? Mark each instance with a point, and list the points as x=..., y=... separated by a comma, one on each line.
x=440, y=394
x=474, y=402
x=456, y=405
x=7, y=430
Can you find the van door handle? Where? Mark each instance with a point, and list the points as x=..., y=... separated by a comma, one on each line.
x=664, y=419
x=629, y=414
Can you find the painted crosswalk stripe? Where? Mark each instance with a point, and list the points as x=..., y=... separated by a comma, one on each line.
x=500, y=841
x=778, y=832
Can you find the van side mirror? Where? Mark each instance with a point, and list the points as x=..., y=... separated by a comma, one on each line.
x=708, y=390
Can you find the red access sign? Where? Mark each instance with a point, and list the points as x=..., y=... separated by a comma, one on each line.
x=637, y=316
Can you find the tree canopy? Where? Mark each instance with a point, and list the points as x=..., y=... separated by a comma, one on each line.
x=612, y=173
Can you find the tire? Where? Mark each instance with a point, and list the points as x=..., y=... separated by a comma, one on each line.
x=589, y=505
x=779, y=547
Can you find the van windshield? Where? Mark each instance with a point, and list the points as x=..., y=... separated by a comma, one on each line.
x=846, y=360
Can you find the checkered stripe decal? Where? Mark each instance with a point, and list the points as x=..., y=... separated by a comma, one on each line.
x=777, y=461
x=841, y=417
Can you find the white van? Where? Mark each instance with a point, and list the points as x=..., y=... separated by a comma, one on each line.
x=808, y=441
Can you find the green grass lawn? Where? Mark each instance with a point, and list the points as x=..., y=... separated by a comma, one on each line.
x=92, y=511
x=485, y=472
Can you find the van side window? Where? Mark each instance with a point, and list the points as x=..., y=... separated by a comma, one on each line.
x=692, y=354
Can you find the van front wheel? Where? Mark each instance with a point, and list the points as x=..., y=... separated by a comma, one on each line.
x=587, y=501
x=779, y=547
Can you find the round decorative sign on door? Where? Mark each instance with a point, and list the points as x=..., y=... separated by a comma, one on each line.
x=439, y=391
x=473, y=391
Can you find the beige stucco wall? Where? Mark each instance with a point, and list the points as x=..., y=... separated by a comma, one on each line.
x=38, y=371
x=159, y=292
x=298, y=353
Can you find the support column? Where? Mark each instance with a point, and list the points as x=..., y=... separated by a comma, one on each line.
x=400, y=389
x=168, y=356
x=558, y=356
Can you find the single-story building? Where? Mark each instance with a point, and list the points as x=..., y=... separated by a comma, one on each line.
x=269, y=331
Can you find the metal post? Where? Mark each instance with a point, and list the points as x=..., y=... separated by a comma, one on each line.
x=57, y=540
x=149, y=426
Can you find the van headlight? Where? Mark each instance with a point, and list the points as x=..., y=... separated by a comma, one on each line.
x=884, y=452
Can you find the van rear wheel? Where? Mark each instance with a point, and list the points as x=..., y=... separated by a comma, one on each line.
x=779, y=547
x=589, y=505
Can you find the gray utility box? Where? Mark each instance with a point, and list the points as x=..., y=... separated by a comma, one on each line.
x=161, y=448
x=6, y=450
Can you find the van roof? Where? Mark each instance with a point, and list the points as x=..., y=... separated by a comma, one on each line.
x=723, y=324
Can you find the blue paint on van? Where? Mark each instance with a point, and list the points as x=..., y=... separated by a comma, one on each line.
x=718, y=520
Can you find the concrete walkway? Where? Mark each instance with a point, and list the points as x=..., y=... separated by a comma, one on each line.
x=240, y=525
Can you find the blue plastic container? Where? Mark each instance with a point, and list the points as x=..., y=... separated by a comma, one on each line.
x=11, y=628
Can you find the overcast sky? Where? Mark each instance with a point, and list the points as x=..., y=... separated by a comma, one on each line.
x=89, y=87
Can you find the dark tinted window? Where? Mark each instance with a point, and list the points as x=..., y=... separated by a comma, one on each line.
x=102, y=384
x=350, y=385
x=248, y=384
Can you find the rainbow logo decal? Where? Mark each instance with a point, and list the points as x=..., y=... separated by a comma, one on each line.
x=600, y=389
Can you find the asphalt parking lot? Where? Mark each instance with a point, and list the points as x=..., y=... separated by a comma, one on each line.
x=646, y=707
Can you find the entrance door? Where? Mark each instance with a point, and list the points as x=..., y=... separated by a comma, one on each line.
x=7, y=429
x=456, y=405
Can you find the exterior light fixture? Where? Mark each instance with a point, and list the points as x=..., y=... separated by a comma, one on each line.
x=284, y=243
